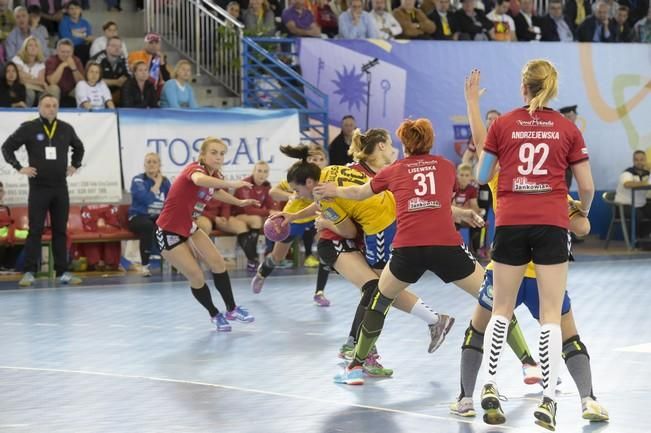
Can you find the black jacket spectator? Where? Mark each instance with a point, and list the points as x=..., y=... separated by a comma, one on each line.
x=549, y=29
x=133, y=97
x=469, y=27
x=624, y=33
x=10, y=95
x=435, y=17
x=338, y=151
x=111, y=71
x=585, y=32
x=522, y=27
x=570, y=10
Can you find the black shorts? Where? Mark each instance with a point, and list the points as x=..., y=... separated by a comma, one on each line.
x=168, y=240
x=329, y=250
x=449, y=263
x=518, y=245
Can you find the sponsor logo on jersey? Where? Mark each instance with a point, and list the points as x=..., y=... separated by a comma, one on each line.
x=331, y=214
x=172, y=239
x=416, y=204
x=584, y=151
x=522, y=184
x=536, y=122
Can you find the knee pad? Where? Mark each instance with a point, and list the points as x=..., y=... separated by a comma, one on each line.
x=473, y=340
x=574, y=346
x=368, y=289
x=379, y=302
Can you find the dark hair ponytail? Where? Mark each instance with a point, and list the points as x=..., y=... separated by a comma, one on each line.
x=302, y=170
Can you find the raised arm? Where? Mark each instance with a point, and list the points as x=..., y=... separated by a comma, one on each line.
x=472, y=93
x=356, y=192
x=201, y=179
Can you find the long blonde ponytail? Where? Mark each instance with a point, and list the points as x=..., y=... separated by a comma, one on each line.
x=540, y=78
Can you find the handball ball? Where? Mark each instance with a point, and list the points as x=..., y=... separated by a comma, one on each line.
x=274, y=230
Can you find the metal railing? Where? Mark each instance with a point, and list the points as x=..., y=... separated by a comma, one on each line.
x=203, y=32
x=270, y=79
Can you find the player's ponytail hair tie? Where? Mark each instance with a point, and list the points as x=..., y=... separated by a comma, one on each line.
x=417, y=136
x=302, y=170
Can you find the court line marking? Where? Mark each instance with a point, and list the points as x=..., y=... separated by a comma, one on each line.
x=250, y=390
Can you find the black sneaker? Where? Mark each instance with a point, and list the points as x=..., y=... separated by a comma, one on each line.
x=546, y=414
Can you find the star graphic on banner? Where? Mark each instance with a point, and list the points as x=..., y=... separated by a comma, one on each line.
x=350, y=87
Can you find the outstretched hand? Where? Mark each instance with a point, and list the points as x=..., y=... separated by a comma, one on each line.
x=472, y=89
x=325, y=190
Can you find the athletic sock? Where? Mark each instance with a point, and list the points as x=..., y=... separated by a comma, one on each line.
x=367, y=294
x=223, y=286
x=308, y=241
x=577, y=361
x=549, y=350
x=518, y=344
x=494, y=340
x=371, y=327
x=471, y=355
x=424, y=312
x=202, y=294
x=267, y=267
x=322, y=277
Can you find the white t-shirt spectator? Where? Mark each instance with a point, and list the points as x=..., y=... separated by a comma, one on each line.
x=33, y=70
x=99, y=45
x=97, y=95
x=623, y=195
x=503, y=18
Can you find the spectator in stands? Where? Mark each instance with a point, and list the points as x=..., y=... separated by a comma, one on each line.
x=253, y=216
x=76, y=28
x=31, y=68
x=233, y=9
x=385, y=22
x=51, y=13
x=637, y=175
x=526, y=24
x=178, y=93
x=414, y=23
x=93, y=93
x=12, y=91
x=7, y=23
x=138, y=91
x=110, y=30
x=38, y=29
x=555, y=26
x=597, y=27
x=473, y=24
x=156, y=61
x=63, y=70
x=576, y=11
x=356, y=23
x=642, y=29
x=326, y=18
x=259, y=19
x=114, y=67
x=338, y=149
x=148, y=192
x=503, y=24
x=299, y=21
x=623, y=30
x=21, y=32
x=48, y=189
x=445, y=21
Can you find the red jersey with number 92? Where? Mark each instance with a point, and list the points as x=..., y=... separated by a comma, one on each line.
x=533, y=153
x=423, y=186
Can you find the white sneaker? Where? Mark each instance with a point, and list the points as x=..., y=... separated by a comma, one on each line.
x=593, y=410
x=145, y=272
x=27, y=280
x=69, y=278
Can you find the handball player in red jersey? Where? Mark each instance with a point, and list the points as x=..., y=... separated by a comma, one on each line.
x=533, y=145
x=183, y=245
x=422, y=185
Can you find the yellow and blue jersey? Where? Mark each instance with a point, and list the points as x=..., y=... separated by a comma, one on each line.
x=296, y=204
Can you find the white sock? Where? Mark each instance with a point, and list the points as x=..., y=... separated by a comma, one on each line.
x=550, y=346
x=424, y=312
x=494, y=341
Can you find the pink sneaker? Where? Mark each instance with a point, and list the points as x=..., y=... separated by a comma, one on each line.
x=256, y=283
x=321, y=300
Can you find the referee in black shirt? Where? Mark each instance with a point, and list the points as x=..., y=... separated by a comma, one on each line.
x=46, y=140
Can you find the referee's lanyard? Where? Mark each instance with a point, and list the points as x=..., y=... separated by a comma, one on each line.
x=50, y=150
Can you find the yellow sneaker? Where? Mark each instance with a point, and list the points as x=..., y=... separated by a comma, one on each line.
x=311, y=262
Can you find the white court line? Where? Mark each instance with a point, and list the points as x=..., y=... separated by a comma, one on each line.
x=251, y=390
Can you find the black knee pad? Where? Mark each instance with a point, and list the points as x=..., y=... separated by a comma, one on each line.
x=574, y=346
x=473, y=340
x=368, y=289
x=379, y=302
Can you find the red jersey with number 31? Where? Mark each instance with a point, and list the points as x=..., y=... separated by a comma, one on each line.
x=533, y=153
x=185, y=201
x=423, y=186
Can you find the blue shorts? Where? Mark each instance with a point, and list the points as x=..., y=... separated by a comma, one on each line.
x=298, y=230
x=527, y=295
x=378, y=247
